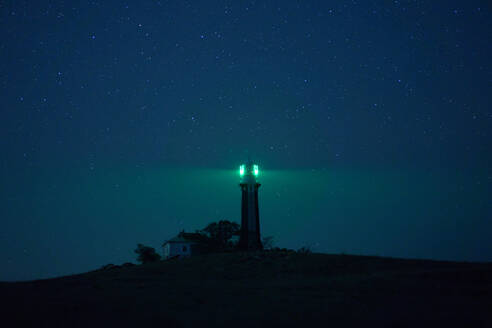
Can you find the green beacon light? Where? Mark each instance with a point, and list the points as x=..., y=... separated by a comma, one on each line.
x=247, y=171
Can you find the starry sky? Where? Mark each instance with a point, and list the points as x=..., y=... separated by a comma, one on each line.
x=124, y=122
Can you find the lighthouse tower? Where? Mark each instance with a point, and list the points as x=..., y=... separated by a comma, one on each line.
x=250, y=216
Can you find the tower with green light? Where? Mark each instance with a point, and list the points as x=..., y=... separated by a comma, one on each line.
x=249, y=238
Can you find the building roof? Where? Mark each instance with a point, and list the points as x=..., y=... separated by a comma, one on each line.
x=186, y=237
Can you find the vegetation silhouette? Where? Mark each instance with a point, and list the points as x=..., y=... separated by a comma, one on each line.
x=268, y=242
x=146, y=254
x=219, y=234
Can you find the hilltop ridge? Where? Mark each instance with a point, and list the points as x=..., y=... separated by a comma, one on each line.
x=268, y=288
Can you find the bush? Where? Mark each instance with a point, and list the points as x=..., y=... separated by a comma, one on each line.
x=146, y=254
x=304, y=250
x=267, y=243
x=110, y=266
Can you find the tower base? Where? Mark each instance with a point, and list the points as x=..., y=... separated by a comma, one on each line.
x=249, y=238
x=250, y=243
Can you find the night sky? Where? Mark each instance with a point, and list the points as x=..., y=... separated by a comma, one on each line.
x=124, y=122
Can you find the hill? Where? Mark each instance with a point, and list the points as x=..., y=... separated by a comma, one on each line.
x=264, y=289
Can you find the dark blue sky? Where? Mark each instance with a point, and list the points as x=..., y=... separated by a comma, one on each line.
x=125, y=122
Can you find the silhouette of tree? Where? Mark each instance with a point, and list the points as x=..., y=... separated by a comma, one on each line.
x=220, y=233
x=146, y=254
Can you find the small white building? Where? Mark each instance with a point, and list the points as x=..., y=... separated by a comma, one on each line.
x=183, y=245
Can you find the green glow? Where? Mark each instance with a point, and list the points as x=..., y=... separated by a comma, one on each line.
x=241, y=170
x=255, y=168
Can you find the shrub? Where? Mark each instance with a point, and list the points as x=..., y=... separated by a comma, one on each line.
x=267, y=242
x=304, y=250
x=146, y=254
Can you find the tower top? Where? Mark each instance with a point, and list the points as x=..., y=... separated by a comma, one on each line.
x=248, y=173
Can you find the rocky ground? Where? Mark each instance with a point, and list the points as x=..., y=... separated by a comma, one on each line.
x=264, y=289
